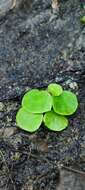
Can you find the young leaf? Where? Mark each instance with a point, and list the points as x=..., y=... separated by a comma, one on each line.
x=28, y=121
x=55, y=122
x=65, y=104
x=55, y=89
x=36, y=101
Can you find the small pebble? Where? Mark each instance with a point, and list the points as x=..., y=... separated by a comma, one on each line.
x=73, y=85
x=55, y=5
x=9, y=132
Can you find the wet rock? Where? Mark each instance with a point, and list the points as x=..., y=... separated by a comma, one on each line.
x=34, y=40
x=6, y=5
x=72, y=180
x=37, y=48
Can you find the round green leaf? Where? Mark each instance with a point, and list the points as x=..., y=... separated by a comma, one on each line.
x=36, y=101
x=28, y=121
x=55, y=89
x=55, y=122
x=65, y=104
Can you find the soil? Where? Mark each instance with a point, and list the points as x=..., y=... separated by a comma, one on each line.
x=38, y=47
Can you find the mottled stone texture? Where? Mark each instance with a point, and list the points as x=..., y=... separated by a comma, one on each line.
x=38, y=47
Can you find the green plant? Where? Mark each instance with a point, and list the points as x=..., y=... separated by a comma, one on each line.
x=49, y=106
x=83, y=19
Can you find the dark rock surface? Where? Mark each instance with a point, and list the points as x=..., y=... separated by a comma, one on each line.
x=31, y=37
x=36, y=48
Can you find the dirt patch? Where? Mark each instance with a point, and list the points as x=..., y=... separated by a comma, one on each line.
x=36, y=48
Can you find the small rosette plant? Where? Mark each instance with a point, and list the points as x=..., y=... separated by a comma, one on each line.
x=50, y=106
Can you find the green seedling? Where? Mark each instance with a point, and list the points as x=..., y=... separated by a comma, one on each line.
x=55, y=89
x=54, y=121
x=28, y=121
x=36, y=101
x=49, y=106
x=65, y=104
